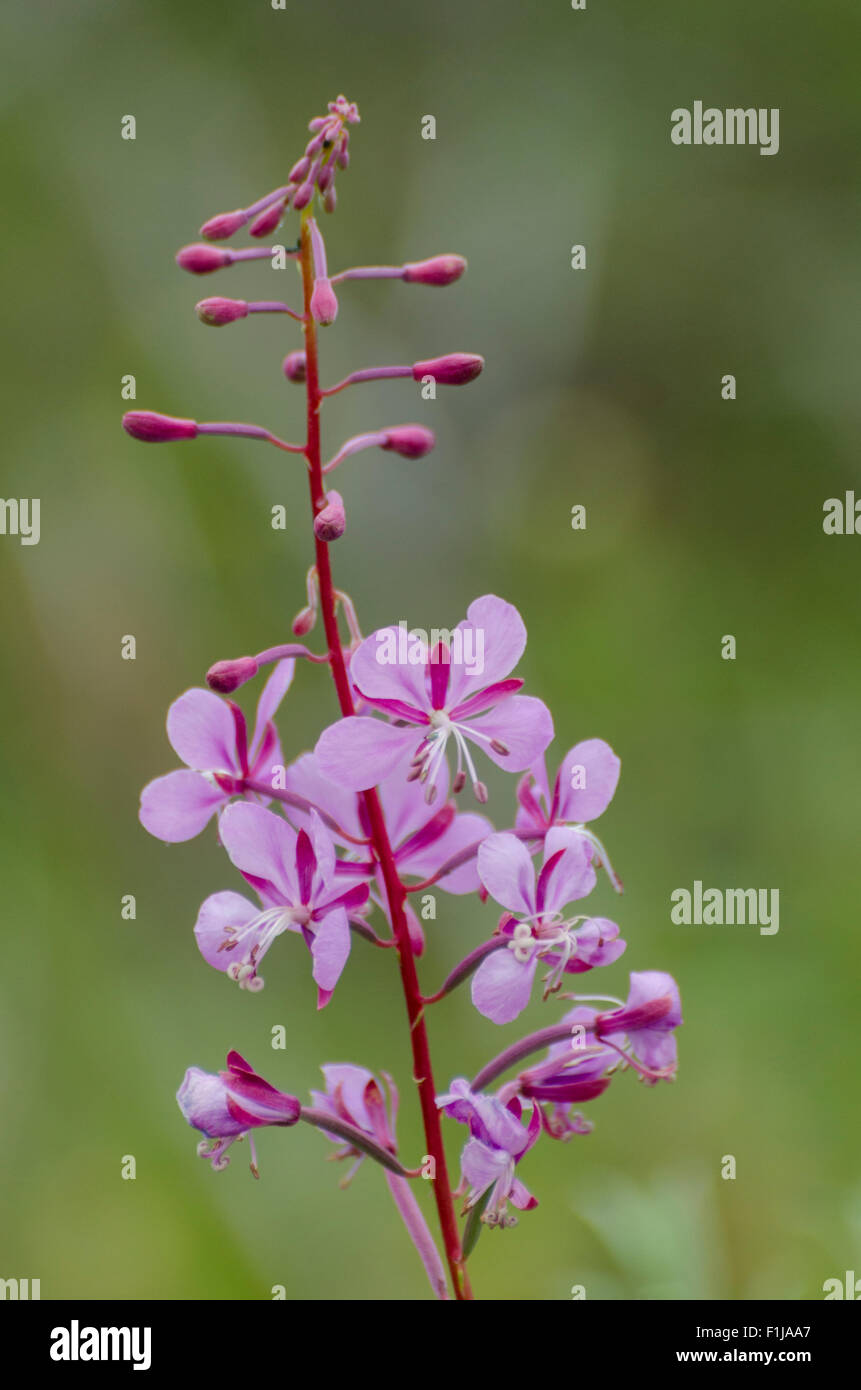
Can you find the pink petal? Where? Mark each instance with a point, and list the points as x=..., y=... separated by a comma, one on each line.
x=330, y=949
x=177, y=807
x=305, y=778
x=352, y=1081
x=503, y=633
x=521, y=1197
x=600, y=774
x=481, y=1165
x=271, y=696
x=506, y=869
x=501, y=986
x=221, y=910
x=572, y=876
x=381, y=679
x=324, y=853
x=201, y=729
x=358, y=752
x=263, y=845
x=522, y=723
x=465, y=830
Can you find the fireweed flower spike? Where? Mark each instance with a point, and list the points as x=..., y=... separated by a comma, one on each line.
x=210, y=736
x=335, y=843
x=438, y=695
x=538, y=929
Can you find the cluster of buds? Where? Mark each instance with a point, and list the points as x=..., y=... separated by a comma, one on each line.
x=332, y=843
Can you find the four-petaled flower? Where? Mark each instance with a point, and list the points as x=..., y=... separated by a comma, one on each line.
x=296, y=878
x=459, y=691
x=210, y=736
x=538, y=928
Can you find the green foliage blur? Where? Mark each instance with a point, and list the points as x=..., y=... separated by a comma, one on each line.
x=602, y=387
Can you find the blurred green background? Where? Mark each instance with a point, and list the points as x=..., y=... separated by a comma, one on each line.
x=602, y=387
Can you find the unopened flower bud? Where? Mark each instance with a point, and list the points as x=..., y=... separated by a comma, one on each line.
x=330, y=199
x=411, y=441
x=331, y=521
x=324, y=302
x=294, y=366
x=201, y=259
x=439, y=270
x=325, y=176
x=304, y=621
x=157, y=429
x=224, y=225
x=226, y=676
x=303, y=196
x=299, y=172
x=267, y=220
x=455, y=369
x=217, y=312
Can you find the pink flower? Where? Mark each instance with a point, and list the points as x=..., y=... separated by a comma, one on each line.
x=354, y=1094
x=423, y=838
x=644, y=1028
x=296, y=878
x=455, y=690
x=209, y=735
x=538, y=928
x=226, y=1106
x=498, y=1142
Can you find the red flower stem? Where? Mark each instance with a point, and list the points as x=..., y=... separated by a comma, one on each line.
x=395, y=891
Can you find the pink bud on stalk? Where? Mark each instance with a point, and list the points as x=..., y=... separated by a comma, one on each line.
x=201, y=259
x=439, y=270
x=268, y=219
x=324, y=302
x=330, y=523
x=304, y=621
x=153, y=428
x=455, y=369
x=224, y=225
x=410, y=441
x=294, y=366
x=217, y=311
x=227, y=676
x=300, y=170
